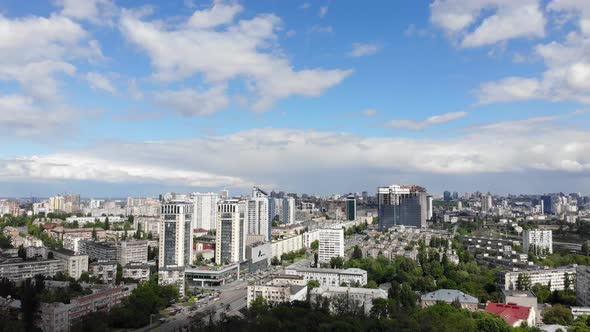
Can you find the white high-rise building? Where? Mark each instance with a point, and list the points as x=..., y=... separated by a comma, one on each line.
x=288, y=210
x=538, y=240
x=486, y=203
x=57, y=203
x=429, y=205
x=258, y=214
x=231, y=231
x=331, y=244
x=176, y=236
x=205, y=214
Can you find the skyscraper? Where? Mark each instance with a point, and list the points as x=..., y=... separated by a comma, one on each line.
x=447, y=195
x=231, y=230
x=258, y=214
x=350, y=207
x=486, y=203
x=205, y=209
x=402, y=205
x=275, y=209
x=288, y=210
x=547, y=204
x=176, y=236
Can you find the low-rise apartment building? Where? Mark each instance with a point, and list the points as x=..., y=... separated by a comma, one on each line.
x=331, y=277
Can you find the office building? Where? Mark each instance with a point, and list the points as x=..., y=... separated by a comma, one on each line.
x=231, y=231
x=537, y=241
x=350, y=207
x=288, y=210
x=205, y=210
x=331, y=244
x=275, y=209
x=447, y=195
x=74, y=265
x=547, y=203
x=331, y=277
x=402, y=205
x=176, y=236
x=583, y=285
x=361, y=298
x=258, y=215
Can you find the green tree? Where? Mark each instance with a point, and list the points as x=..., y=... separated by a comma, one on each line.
x=558, y=314
x=119, y=276
x=337, y=262
x=94, y=236
x=523, y=281
x=315, y=245
x=258, y=307
x=29, y=305
x=357, y=253
x=107, y=223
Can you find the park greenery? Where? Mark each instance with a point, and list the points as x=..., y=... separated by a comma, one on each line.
x=392, y=314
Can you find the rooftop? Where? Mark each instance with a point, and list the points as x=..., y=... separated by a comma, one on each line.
x=449, y=295
x=510, y=312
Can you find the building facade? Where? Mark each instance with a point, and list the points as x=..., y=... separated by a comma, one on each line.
x=537, y=241
x=350, y=207
x=176, y=235
x=555, y=277
x=205, y=212
x=331, y=244
x=583, y=285
x=402, y=205
x=279, y=289
x=288, y=210
x=74, y=265
x=354, y=296
x=231, y=231
x=331, y=277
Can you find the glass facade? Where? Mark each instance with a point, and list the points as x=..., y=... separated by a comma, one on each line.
x=170, y=242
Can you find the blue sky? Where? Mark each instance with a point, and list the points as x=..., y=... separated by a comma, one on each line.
x=112, y=98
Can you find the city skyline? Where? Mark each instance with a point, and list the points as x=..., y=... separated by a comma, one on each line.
x=120, y=98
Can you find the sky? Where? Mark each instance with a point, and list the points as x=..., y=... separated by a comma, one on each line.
x=134, y=97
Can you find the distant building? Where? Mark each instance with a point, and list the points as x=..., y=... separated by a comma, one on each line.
x=402, y=205
x=583, y=285
x=447, y=195
x=547, y=203
x=331, y=277
x=288, y=210
x=279, y=289
x=350, y=207
x=102, y=251
x=205, y=211
x=355, y=297
x=486, y=203
x=331, y=244
x=539, y=241
x=172, y=275
x=257, y=214
x=515, y=315
x=449, y=296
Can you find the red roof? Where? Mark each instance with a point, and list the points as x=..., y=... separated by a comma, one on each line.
x=510, y=312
